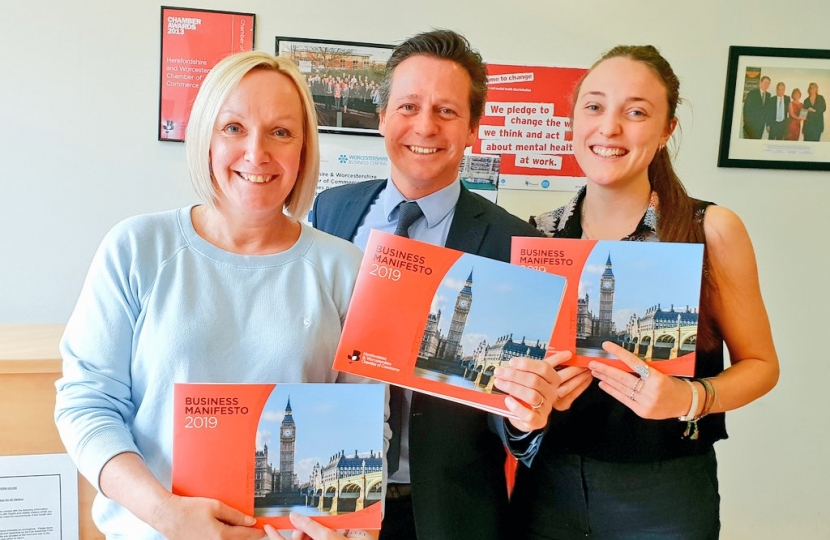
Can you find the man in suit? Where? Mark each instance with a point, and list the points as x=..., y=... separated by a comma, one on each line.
x=448, y=481
x=757, y=109
x=779, y=120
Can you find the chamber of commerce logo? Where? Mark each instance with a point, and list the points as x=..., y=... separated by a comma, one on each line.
x=354, y=357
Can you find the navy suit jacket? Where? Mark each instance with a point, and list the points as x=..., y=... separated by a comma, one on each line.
x=758, y=115
x=456, y=461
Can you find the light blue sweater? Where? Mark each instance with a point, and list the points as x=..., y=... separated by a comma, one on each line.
x=161, y=305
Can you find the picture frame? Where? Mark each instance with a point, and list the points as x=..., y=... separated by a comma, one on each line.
x=753, y=132
x=192, y=42
x=344, y=78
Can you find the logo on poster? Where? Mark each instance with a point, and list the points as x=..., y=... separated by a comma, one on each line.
x=358, y=159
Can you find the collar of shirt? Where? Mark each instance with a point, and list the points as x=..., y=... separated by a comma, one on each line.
x=435, y=206
x=438, y=208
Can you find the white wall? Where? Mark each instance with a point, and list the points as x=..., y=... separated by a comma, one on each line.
x=78, y=152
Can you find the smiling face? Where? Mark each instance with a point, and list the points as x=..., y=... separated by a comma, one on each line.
x=256, y=147
x=812, y=91
x=427, y=124
x=620, y=120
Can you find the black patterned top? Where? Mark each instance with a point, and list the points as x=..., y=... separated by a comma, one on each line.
x=597, y=426
x=564, y=222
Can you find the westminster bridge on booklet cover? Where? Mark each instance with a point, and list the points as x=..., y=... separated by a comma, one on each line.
x=648, y=344
x=346, y=484
x=476, y=371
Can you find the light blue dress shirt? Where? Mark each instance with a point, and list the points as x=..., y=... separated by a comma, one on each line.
x=432, y=228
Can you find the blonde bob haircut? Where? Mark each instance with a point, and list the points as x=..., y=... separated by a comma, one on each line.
x=216, y=88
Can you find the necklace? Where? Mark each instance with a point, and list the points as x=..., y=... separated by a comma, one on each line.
x=586, y=232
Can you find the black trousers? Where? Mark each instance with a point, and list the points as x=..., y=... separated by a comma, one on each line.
x=398, y=520
x=571, y=497
x=778, y=130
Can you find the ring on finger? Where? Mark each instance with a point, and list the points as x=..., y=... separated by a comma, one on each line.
x=642, y=370
x=539, y=406
x=639, y=385
x=631, y=395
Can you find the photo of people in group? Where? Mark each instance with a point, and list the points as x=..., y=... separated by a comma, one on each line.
x=344, y=79
x=785, y=104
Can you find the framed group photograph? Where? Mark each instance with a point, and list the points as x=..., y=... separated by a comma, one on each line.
x=344, y=78
x=192, y=42
x=774, y=112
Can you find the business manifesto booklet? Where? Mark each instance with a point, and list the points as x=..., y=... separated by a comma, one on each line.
x=644, y=296
x=271, y=449
x=440, y=321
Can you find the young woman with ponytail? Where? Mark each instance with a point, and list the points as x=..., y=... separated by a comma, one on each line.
x=619, y=464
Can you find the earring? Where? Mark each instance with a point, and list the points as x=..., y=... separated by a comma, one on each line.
x=661, y=147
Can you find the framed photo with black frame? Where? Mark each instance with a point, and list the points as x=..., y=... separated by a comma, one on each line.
x=774, y=113
x=192, y=42
x=344, y=78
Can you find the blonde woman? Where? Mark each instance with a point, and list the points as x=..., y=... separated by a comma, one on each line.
x=231, y=290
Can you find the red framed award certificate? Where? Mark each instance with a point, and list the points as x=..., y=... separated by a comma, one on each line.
x=192, y=42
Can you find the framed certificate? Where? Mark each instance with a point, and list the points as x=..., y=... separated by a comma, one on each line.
x=192, y=42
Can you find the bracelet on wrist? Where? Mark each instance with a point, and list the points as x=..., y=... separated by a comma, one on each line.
x=711, y=394
x=691, y=418
x=695, y=401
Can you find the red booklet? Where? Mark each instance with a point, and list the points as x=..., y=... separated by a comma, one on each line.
x=642, y=295
x=267, y=450
x=440, y=321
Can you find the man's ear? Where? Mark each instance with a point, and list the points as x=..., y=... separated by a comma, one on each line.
x=382, y=122
x=473, y=134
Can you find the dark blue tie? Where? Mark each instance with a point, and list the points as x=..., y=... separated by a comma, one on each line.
x=408, y=213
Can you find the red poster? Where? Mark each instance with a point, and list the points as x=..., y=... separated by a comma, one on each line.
x=527, y=122
x=192, y=42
